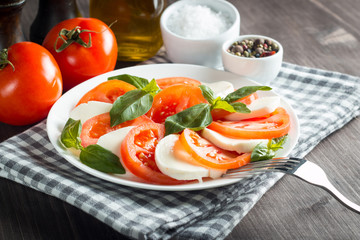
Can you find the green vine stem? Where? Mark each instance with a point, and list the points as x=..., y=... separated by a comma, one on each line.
x=4, y=60
x=72, y=36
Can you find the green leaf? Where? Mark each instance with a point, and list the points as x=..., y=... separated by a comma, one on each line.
x=129, y=106
x=196, y=118
x=138, y=82
x=240, y=107
x=101, y=159
x=268, y=151
x=207, y=93
x=230, y=107
x=243, y=92
x=221, y=104
x=70, y=135
x=152, y=88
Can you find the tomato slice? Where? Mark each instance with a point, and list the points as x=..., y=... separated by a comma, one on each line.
x=138, y=153
x=274, y=125
x=95, y=127
x=174, y=99
x=170, y=81
x=107, y=91
x=208, y=155
x=248, y=99
x=220, y=113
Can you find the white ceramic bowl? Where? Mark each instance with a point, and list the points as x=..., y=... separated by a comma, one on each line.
x=262, y=70
x=206, y=52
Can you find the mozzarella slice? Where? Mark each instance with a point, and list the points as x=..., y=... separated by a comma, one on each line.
x=259, y=107
x=88, y=110
x=177, y=168
x=112, y=142
x=231, y=144
x=221, y=88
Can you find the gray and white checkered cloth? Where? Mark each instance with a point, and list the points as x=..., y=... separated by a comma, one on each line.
x=324, y=102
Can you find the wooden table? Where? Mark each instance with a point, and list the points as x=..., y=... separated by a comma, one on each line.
x=315, y=33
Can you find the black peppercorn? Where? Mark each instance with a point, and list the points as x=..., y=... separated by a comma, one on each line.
x=258, y=47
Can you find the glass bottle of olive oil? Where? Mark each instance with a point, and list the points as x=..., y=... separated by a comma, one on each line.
x=137, y=26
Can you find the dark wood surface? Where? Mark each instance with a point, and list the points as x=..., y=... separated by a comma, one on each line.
x=315, y=33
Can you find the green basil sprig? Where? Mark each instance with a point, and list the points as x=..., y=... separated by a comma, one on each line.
x=244, y=91
x=94, y=155
x=195, y=118
x=70, y=135
x=267, y=151
x=101, y=159
x=199, y=116
x=134, y=103
x=138, y=82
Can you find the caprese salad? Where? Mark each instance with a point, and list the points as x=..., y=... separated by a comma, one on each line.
x=174, y=130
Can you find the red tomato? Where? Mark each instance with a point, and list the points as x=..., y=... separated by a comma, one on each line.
x=206, y=154
x=78, y=63
x=170, y=81
x=99, y=125
x=275, y=125
x=138, y=153
x=174, y=99
x=28, y=91
x=107, y=91
x=220, y=113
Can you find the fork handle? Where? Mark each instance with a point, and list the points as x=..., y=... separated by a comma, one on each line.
x=327, y=185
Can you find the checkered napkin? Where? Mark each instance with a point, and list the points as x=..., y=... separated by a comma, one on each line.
x=324, y=102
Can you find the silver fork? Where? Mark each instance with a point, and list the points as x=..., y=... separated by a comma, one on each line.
x=301, y=168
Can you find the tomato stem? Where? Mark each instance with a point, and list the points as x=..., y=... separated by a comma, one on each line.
x=71, y=37
x=74, y=36
x=4, y=60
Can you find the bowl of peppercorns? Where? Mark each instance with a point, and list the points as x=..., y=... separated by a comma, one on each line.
x=255, y=57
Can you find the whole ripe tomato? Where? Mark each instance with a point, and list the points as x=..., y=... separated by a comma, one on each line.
x=83, y=58
x=31, y=86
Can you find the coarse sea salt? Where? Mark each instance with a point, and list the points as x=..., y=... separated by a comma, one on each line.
x=198, y=22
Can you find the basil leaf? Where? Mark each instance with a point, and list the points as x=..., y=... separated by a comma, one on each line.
x=230, y=107
x=207, y=93
x=101, y=159
x=129, y=106
x=243, y=92
x=240, y=107
x=267, y=151
x=152, y=88
x=221, y=104
x=70, y=135
x=138, y=82
x=196, y=118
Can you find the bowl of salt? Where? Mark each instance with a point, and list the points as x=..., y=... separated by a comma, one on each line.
x=193, y=31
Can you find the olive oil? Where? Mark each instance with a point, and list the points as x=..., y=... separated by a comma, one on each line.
x=137, y=26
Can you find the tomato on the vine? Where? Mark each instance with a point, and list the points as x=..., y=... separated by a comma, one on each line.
x=91, y=49
x=30, y=83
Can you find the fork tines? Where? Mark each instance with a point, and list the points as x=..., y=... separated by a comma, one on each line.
x=276, y=164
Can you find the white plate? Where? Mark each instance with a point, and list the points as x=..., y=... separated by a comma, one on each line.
x=59, y=114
